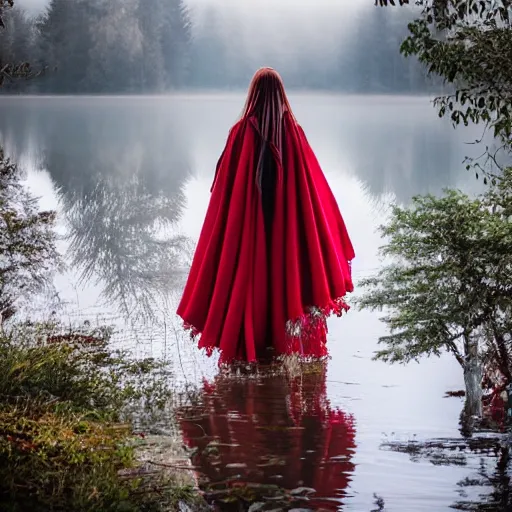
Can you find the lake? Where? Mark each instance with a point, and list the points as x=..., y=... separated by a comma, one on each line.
x=130, y=178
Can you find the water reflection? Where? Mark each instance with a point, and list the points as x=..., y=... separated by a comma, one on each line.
x=488, y=486
x=424, y=159
x=120, y=180
x=394, y=144
x=118, y=237
x=272, y=430
x=120, y=168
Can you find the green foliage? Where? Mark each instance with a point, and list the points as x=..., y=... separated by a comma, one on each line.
x=469, y=43
x=449, y=282
x=65, y=443
x=68, y=399
x=78, y=367
x=28, y=257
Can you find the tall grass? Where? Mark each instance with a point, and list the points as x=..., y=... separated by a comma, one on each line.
x=66, y=441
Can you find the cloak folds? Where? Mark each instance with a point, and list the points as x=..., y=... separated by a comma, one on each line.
x=255, y=285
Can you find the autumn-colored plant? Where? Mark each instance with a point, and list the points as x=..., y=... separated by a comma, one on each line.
x=67, y=402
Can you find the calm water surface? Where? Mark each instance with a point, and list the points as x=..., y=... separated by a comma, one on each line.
x=130, y=178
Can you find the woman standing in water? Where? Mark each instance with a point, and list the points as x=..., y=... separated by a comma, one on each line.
x=273, y=258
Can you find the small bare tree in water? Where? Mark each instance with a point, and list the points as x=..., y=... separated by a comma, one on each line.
x=28, y=257
x=449, y=286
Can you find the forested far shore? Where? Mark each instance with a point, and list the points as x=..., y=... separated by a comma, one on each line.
x=156, y=46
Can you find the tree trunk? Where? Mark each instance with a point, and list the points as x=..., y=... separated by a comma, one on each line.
x=473, y=381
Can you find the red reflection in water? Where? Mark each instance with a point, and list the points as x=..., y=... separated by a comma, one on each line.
x=273, y=430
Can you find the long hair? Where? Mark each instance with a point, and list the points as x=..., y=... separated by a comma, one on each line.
x=268, y=103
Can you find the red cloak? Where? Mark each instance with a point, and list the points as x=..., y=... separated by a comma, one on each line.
x=248, y=289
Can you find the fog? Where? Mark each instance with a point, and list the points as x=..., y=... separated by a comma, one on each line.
x=154, y=46
x=247, y=7
x=32, y=6
x=321, y=19
x=278, y=30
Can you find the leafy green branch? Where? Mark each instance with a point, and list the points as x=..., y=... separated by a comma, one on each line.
x=449, y=286
x=469, y=43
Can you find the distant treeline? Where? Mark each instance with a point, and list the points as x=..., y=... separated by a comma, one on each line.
x=135, y=46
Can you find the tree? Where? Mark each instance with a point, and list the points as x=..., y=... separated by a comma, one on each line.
x=175, y=40
x=4, y=5
x=65, y=41
x=27, y=240
x=449, y=287
x=114, y=46
x=150, y=15
x=116, y=51
x=209, y=52
x=468, y=43
x=11, y=68
x=15, y=38
x=28, y=256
